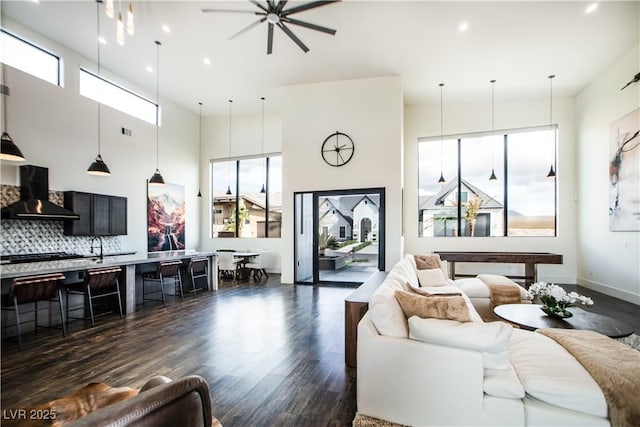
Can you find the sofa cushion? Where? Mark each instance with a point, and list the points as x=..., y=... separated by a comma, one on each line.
x=491, y=339
x=450, y=307
x=473, y=287
x=386, y=314
x=431, y=277
x=503, y=383
x=550, y=373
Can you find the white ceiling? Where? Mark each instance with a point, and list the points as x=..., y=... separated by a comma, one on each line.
x=517, y=43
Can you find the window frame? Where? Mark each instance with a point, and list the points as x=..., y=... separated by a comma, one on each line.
x=58, y=58
x=458, y=138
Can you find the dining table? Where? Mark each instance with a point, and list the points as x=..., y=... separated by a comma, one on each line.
x=242, y=259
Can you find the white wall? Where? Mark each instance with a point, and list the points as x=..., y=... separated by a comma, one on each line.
x=370, y=112
x=608, y=261
x=424, y=121
x=56, y=128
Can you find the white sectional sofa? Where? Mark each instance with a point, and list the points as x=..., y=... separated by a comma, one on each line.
x=433, y=372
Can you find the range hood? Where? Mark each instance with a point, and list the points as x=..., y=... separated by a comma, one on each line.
x=34, y=198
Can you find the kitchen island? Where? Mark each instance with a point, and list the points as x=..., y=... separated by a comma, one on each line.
x=132, y=266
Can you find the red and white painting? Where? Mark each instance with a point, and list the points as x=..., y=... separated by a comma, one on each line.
x=165, y=217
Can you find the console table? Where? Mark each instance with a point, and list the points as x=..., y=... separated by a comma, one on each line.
x=529, y=259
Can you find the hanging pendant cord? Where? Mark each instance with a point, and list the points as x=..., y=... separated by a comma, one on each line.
x=262, y=149
x=441, y=126
x=98, y=27
x=492, y=126
x=157, y=102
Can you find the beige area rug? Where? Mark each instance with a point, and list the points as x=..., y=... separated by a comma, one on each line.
x=364, y=421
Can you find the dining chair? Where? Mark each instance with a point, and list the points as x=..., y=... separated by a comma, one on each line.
x=167, y=273
x=98, y=283
x=197, y=268
x=258, y=265
x=227, y=265
x=32, y=289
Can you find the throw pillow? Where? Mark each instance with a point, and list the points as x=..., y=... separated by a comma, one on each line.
x=431, y=277
x=439, y=307
x=490, y=339
x=426, y=262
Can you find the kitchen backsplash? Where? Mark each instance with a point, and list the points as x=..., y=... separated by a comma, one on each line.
x=27, y=236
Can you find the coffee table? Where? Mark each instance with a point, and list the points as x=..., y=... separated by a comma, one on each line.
x=531, y=317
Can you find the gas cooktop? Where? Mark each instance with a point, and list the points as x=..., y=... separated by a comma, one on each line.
x=47, y=256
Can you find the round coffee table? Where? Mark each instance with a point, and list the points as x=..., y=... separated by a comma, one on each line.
x=531, y=317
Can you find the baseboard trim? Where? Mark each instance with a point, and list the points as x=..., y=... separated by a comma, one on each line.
x=610, y=290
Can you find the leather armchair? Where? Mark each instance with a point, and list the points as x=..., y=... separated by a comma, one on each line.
x=161, y=402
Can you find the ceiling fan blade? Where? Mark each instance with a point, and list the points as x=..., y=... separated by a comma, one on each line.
x=281, y=5
x=271, y=4
x=247, y=28
x=227, y=11
x=270, y=39
x=307, y=6
x=309, y=25
x=293, y=37
x=259, y=5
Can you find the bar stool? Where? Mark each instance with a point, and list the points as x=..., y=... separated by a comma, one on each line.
x=168, y=272
x=31, y=289
x=98, y=283
x=198, y=267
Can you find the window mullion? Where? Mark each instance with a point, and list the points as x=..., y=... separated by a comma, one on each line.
x=505, y=210
x=459, y=185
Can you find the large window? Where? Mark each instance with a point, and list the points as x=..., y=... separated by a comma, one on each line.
x=30, y=58
x=521, y=201
x=247, y=197
x=108, y=93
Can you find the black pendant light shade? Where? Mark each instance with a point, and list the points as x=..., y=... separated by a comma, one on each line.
x=262, y=190
x=441, y=179
x=156, y=178
x=228, y=193
x=10, y=150
x=552, y=173
x=493, y=175
x=99, y=167
x=199, y=193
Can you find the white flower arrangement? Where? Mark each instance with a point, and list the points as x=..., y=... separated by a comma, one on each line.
x=555, y=298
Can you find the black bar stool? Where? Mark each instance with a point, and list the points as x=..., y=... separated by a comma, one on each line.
x=98, y=283
x=168, y=272
x=31, y=289
x=198, y=268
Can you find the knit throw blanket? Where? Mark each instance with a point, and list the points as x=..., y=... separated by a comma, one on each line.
x=502, y=290
x=614, y=366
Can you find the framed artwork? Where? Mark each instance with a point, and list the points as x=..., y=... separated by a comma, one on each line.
x=165, y=217
x=624, y=173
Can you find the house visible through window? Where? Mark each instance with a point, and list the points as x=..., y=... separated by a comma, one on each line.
x=520, y=202
x=108, y=93
x=30, y=58
x=240, y=206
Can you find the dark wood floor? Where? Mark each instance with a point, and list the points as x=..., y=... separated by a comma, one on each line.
x=272, y=354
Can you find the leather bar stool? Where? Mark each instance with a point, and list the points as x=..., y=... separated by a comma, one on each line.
x=98, y=283
x=31, y=289
x=168, y=272
x=197, y=268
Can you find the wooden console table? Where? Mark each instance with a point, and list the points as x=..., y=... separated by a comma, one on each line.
x=529, y=259
x=355, y=306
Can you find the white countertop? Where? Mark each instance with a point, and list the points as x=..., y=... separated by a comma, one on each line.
x=8, y=271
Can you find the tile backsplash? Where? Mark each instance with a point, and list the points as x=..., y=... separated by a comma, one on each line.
x=29, y=236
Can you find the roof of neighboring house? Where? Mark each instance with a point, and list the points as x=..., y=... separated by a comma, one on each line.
x=333, y=210
x=436, y=201
x=363, y=198
x=259, y=199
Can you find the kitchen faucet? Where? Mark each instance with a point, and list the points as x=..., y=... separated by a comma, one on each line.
x=100, y=240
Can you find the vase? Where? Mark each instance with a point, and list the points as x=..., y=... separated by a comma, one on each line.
x=558, y=313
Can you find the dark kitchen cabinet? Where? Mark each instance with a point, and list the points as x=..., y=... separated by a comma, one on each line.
x=100, y=215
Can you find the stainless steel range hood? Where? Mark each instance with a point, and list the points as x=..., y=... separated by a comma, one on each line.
x=34, y=198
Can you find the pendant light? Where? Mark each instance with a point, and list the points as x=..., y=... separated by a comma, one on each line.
x=262, y=190
x=493, y=172
x=130, y=26
x=441, y=180
x=200, y=148
x=108, y=8
x=120, y=25
x=157, y=179
x=552, y=172
x=9, y=150
x=228, y=193
x=98, y=167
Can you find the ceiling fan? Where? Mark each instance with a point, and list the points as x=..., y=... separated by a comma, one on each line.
x=275, y=14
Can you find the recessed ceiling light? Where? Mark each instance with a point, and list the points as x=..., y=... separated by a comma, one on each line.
x=166, y=28
x=150, y=68
x=591, y=8
x=102, y=40
x=206, y=61
x=463, y=27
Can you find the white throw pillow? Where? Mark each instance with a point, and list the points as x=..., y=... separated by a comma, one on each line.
x=491, y=339
x=431, y=277
x=384, y=310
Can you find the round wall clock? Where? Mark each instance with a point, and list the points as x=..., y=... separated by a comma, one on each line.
x=337, y=149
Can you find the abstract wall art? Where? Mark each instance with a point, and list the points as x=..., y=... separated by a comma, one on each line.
x=624, y=173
